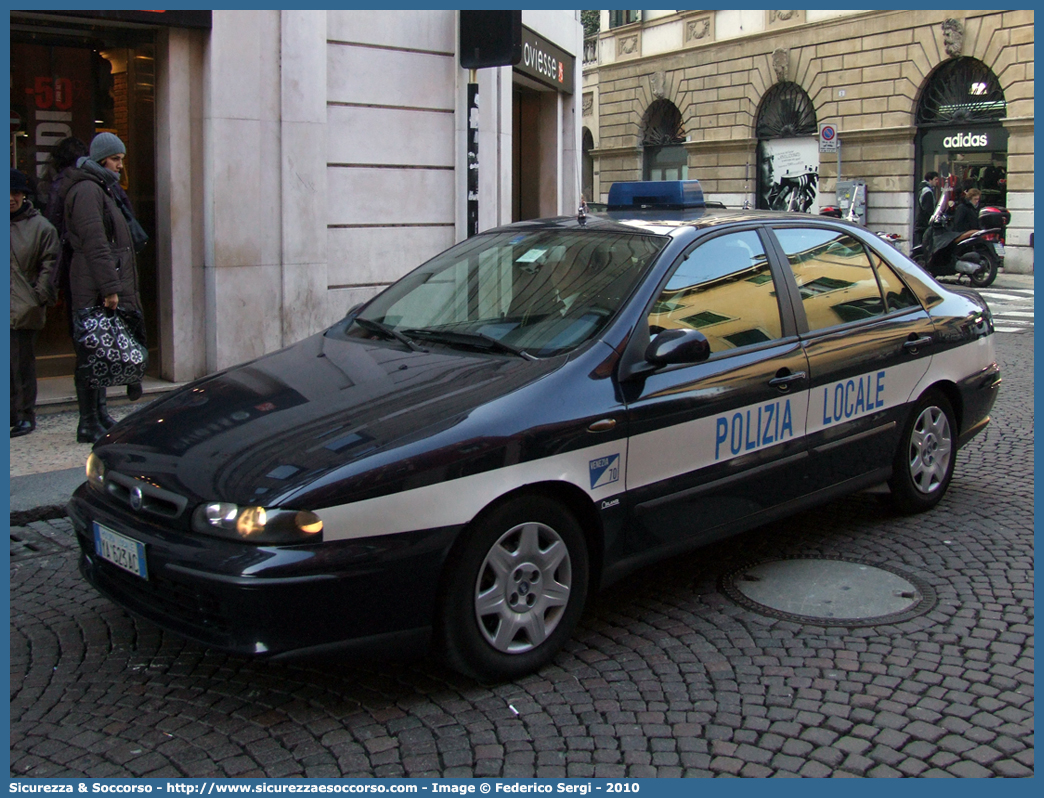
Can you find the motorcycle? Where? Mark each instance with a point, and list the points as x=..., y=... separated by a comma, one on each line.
x=943, y=252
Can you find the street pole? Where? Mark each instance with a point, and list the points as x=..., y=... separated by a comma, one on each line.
x=838, y=158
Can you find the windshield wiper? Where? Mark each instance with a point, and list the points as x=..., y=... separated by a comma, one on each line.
x=471, y=339
x=387, y=332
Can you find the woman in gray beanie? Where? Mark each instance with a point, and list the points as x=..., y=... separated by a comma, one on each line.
x=103, y=268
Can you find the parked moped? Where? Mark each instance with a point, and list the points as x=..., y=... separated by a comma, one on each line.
x=974, y=253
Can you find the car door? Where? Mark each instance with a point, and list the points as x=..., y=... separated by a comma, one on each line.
x=711, y=442
x=868, y=343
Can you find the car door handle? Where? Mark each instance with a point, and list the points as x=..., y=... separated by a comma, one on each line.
x=784, y=381
x=916, y=343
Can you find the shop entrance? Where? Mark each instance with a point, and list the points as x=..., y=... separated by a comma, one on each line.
x=959, y=131
x=525, y=154
x=71, y=82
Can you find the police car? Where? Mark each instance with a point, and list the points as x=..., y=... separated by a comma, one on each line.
x=462, y=461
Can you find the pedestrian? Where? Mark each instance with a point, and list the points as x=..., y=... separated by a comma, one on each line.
x=925, y=204
x=103, y=270
x=34, y=258
x=966, y=217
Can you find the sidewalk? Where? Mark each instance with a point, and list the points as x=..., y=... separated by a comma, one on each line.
x=47, y=465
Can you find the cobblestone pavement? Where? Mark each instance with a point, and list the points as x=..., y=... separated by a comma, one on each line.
x=665, y=677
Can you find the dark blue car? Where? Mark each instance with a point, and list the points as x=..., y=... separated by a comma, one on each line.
x=460, y=462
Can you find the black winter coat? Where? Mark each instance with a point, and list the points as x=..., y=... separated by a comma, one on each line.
x=966, y=217
x=103, y=260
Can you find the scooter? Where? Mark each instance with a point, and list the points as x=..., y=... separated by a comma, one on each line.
x=943, y=252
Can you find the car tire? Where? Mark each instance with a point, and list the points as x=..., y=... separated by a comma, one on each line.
x=514, y=590
x=924, y=460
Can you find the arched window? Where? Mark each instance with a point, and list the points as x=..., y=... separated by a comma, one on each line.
x=788, y=150
x=587, y=167
x=961, y=91
x=786, y=112
x=664, y=157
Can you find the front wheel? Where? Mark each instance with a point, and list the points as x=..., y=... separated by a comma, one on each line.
x=924, y=461
x=514, y=590
x=988, y=273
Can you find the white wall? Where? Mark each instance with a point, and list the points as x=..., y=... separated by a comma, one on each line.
x=333, y=145
x=391, y=136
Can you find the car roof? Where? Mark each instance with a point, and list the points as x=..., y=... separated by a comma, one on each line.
x=669, y=222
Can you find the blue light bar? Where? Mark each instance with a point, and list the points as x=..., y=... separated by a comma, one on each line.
x=674, y=195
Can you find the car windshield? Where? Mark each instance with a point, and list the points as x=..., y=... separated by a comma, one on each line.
x=531, y=294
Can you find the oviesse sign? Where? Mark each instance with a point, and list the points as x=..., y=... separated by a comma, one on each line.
x=546, y=62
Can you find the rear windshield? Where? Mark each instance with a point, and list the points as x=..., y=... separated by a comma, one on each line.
x=542, y=292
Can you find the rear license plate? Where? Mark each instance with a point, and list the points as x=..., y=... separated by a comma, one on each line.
x=120, y=550
x=999, y=248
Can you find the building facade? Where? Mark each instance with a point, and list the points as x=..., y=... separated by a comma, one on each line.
x=739, y=99
x=290, y=164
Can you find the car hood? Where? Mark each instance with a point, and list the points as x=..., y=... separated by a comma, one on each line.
x=265, y=429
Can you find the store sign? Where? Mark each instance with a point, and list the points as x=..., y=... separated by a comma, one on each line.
x=168, y=19
x=548, y=63
x=964, y=141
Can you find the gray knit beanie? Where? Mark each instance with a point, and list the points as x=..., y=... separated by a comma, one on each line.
x=105, y=145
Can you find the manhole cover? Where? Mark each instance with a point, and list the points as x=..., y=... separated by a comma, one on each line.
x=829, y=592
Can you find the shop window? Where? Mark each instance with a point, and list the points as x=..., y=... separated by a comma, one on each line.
x=719, y=290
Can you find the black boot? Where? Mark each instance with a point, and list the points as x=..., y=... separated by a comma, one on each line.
x=89, y=429
x=107, y=421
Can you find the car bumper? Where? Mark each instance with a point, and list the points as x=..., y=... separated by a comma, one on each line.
x=978, y=395
x=369, y=595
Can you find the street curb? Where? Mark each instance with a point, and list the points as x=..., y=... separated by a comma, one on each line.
x=47, y=513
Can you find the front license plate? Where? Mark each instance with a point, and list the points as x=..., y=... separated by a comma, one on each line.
x=999, y=249
x=120, y=550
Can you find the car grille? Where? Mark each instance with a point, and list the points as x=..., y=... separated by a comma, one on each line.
x=149, y=498
x=188, y=605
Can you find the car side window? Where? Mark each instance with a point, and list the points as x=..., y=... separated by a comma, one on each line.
x=834, y=275
x=897, y=294
x=724, y=289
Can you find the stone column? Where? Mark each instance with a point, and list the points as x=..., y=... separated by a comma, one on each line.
x=179, y=199
x=302, y=167
x=242, y=208
x=1019, y=255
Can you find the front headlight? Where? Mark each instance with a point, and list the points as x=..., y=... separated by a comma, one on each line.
x=257, y=524
x=96, y=472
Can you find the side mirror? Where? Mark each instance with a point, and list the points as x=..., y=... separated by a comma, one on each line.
x=678, y=346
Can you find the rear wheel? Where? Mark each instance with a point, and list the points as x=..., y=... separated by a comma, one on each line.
x=514, y=590
x=988, y=273
x=924, y=461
